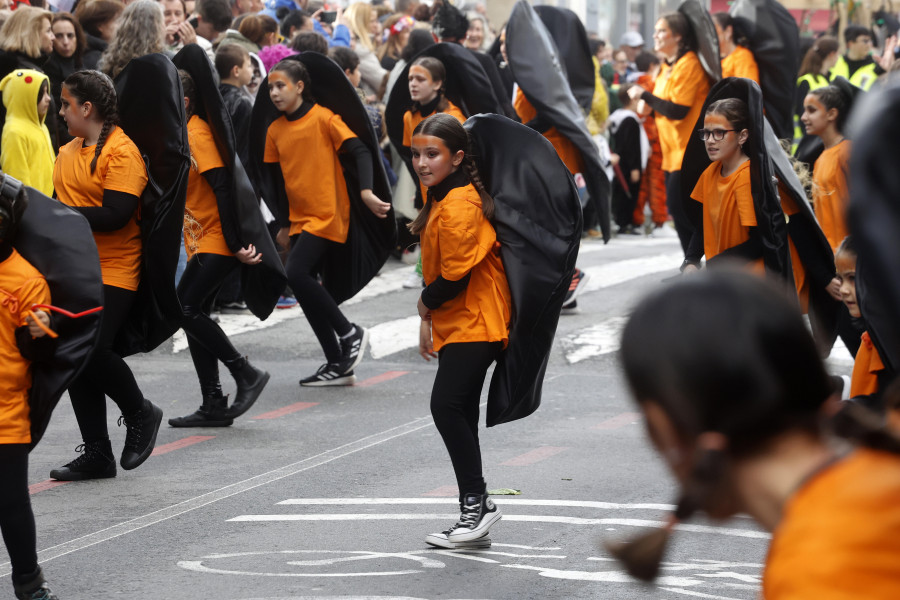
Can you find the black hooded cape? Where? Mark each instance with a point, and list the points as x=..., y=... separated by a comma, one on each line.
x=775, y=42
x=568, y=32
x=769, y=215
x=262, y=284
x=58, y=242
x=537, y=216
x=151, y=112
x=349, y=266
x=538, y=69
x=707, y=41
x=874, y=218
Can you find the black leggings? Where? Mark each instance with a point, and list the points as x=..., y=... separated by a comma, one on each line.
x=454, y=405
x=676, y=206
x=16, y=517
x=303, y=266
x=206, y=340
x=107, y=374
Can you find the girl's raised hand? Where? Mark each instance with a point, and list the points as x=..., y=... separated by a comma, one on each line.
x=379, y=209
x=34, y=329
x=426, y=345
x=248, y=255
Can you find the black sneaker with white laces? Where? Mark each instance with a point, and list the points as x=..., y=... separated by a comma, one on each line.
x=478, y=514
x=352, y=349
x=327, y=375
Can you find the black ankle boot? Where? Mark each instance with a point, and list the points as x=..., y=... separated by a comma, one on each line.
x=36, y=588
x=96, y=462
x=141, y=428
x=250, y=383
x=212, y=413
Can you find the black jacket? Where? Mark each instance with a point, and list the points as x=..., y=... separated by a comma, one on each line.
x=239, y=108
x=95, y=47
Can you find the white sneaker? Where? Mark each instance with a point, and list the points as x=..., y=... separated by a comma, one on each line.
x=478, y=514
x=666, y=230
x=442, y=540
x=414, y=281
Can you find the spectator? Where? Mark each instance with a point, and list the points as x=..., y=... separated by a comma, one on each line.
x=100, y=20
x=398, y=28
x=142, y=31
x=66, y=58
x=310, y=41
x=479, y=36
x=213, y=18
x=262, y=30
x=179, y=31
x=360, y=19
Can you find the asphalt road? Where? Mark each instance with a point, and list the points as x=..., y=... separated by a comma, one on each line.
x=328, y=493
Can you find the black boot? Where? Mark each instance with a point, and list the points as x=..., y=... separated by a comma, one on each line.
x=96, y=462
x=141, y=428
x=250, y=383
x=36, y=588
x=212, y=413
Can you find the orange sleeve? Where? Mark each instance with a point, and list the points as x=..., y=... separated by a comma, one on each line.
x=204, y=150
x=339, y=131
x=125, y=170
x=699, y=191
x=458, y=239
x=271, y=152
x=746, y=66
x=687, y=77
x=407, y=129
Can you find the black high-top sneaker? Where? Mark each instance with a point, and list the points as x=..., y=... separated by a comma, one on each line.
x=96, y=462
x=212, y=413
x=478, y=514
x=141, y=428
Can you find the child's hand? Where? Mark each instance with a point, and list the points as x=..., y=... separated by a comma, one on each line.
x=33, y=328
x=635, y=175
x=283, y=238
x=426, y=345
x=834, y=288
x=379, y=209
x=248, y=255
x=614, y=158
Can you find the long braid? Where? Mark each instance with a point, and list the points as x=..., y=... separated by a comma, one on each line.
x=471, y=170
x=98, y=89
x=108, y=124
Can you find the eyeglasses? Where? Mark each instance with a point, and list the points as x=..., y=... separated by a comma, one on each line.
x=716, y=134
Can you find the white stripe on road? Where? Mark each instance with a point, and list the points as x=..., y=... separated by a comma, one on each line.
x=620, y=271
x=602, y=338
x=454, y=501
x=604, y=576
x=394, y=336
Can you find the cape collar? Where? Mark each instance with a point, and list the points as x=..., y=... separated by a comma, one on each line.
x=427, y=109
x=452, y=181
x=298, y=114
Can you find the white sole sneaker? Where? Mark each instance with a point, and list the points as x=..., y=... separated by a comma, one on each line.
x=463, y=534
x=440, y=540
x=348, y=379
x=363, y=344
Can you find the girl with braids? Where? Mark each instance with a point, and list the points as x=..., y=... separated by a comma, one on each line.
x=101, y=174
x=736, y=399
x=737, y=59
x=465, y=310
x=212, y=239
x=314, y=209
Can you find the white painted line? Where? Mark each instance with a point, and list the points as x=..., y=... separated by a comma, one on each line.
x=604, y=576
x=454, y=501
x=458, y=554
x=600, y=339
x=394, y=336
x=202, y=500
x=695, y=594
x=198, y=566
x=620, y=271
x=635, y=241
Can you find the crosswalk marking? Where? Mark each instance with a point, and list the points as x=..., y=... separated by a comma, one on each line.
x=600, y=339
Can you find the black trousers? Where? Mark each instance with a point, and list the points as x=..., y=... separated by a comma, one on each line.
x=304, y=264
x=623, y=203
x=207, y=342
x=16, y=517
x=454, y=405
x=107, y=374
x=676, y=205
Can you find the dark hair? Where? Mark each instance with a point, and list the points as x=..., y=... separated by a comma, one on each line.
x=734, y=110
x=215, y=12
x=256, y=27
x=681, y=27
x=228, y=57
x=297, y=72
x=847, y=245
x=190, y=92
x=97, y=12
x=622, y=94
x=456, y=138
x=448, y=22
x=310, y=41
x=816, y=55
x=725, y=20
x=438, y=72
x=98, y=89
x=851, y=32
x=831, y=96
x=80, y=41
x=293, y=20
x=422, y=14
x=645, y=60
x=419, y=39
x=596, y=45
x=345, y=58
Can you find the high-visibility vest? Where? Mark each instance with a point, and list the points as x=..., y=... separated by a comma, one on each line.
x=863, y=78
x=815, y=82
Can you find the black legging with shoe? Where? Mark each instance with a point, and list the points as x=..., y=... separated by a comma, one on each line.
x=16, y=516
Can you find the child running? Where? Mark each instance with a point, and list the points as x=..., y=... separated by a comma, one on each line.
x=465, y=310
x=101, y=174
x=314, y=210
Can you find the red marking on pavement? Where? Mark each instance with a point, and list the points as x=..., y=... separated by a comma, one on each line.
x=286, y=410
x=629, y=418
x=381, y=378
x=536, y=455
x=45, y=485
x=445, y=491
x=182, y=443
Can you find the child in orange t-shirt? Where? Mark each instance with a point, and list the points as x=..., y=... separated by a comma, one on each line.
x=101, y=174
x=729, y=216
x=465, y=310
x=737, y=59
x=214, y=251
x=21, y=341
x=733, y=391
x=314, y=210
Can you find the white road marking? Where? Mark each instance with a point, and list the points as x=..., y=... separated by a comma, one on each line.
x=620, y=271
x=394, y=336
x=199, y=567
x=697, y=594
x=453, y=501
x=630, y=241
x=600, y=339
x=604, y=576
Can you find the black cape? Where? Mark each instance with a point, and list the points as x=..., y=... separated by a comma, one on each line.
x=704, y=32
x=59, y=243
x=151, y=112
x=349, y=266
x=467, y=86
x=537, y=68
x=874, y=218
x=261, y=284
x=537, y=216
x=769, y=215
x=571, y=39
x=775, y=42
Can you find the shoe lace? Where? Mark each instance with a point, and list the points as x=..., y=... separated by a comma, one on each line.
x=42, y=593
x=132, y=430
x=469, y=516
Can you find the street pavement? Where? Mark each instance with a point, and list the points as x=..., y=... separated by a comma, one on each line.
x=328, y=493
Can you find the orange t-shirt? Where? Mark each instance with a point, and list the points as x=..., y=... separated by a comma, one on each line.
x=866, y=366
x=790, y=209
x=202, y=228
x=567, y=151
x=120, y=168
x=684, y=83
x=830, y=192
x=459, y=239
x=307, y=150
x=21, y=285
x=839, y=537
x=411, y=120
x=727, y=209
x=740, y=63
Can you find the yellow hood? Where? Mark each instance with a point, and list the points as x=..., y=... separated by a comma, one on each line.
x=20, y=94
